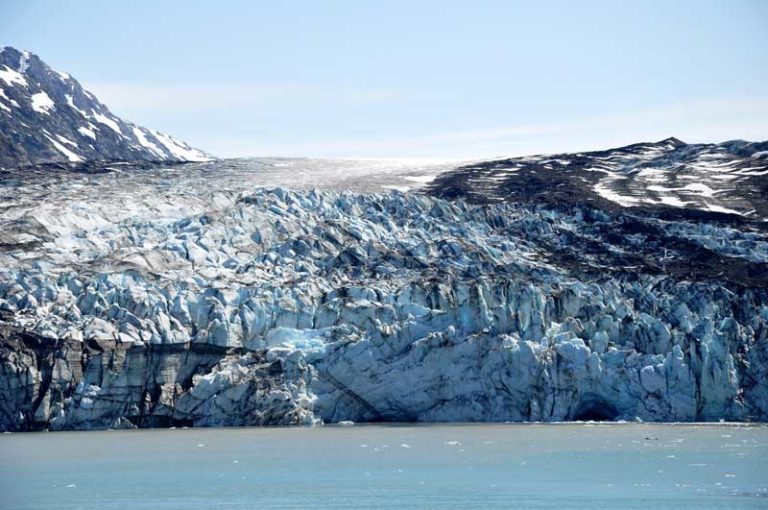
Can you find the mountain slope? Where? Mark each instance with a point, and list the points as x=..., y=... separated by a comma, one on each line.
x=668, y=176
x=47, y=116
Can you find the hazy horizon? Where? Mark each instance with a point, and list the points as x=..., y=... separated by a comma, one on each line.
x=433, y=81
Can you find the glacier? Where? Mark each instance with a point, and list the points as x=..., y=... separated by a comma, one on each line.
x=145, y=298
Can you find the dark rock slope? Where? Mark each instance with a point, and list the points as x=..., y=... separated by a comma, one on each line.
x=46, y=116
x=669, y=177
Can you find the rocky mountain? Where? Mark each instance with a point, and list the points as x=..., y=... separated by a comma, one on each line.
x=141, y=299
x=669, y=177
x=46, y=116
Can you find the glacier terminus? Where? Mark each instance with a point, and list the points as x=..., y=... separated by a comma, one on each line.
x=211, y=294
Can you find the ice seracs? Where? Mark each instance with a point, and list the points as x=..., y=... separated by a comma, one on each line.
x=226, y=305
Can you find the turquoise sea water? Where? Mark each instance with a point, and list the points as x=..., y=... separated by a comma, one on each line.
x=591, y=466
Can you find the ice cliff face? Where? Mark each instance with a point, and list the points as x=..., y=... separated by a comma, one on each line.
x=46, y=116
x=269, y=306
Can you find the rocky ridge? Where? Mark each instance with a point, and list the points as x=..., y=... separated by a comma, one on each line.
x=46, y=116
x=669, y=177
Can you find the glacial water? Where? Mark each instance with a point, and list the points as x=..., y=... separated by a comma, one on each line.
x=394, y=467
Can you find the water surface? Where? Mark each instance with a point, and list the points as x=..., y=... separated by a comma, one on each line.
x=393, y=467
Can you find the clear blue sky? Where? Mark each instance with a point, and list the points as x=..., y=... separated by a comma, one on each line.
x=417, y=79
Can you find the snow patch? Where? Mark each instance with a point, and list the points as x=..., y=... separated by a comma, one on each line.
x=63, y=139
x=603, y=189
x=671, y=201
x=41, y=103
x=87, y=132
x=12, y=77
x=147, y=144
x=754, y=170
x=71, y=156
x=421, y=179
x=179, y=150
x=395, y=187
x=71, y=103
x=721, y=209
x=653, y=175
x=702, y=189
x=114, y=126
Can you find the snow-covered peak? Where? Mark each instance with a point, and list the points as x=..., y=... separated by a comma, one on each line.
x=40, y=106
